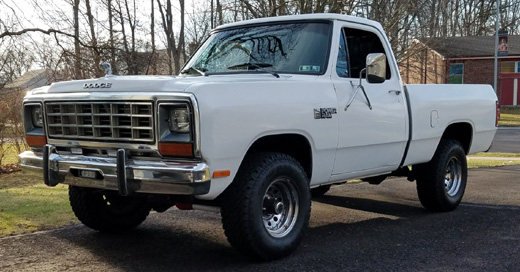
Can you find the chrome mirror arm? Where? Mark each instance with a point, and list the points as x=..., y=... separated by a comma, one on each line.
x=360, y=86
x=366, y=97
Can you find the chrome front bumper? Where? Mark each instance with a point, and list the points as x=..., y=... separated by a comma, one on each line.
x=120, y=174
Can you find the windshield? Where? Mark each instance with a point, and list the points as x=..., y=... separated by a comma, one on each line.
x=281, y=48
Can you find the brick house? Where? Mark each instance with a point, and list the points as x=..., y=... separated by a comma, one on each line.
x=465, y=60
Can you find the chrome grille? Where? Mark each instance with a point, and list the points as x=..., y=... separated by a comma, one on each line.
x=100, y=121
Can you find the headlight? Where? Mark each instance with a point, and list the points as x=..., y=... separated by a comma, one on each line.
x=176, y=121
x=179, y=119
x=33, y=124
x=37, y=116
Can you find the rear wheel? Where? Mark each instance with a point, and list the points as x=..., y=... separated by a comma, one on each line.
x=107, y=211
x=442, y=181
x=266, y=209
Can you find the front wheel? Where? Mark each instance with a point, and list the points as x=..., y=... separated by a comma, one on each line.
x=442, y=181
x=266, y=209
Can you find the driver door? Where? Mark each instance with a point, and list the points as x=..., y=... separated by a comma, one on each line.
x=370, y=141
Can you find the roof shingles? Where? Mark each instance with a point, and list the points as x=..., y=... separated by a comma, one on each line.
x=471, y=46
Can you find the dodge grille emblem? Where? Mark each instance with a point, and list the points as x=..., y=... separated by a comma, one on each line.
x=97, y=85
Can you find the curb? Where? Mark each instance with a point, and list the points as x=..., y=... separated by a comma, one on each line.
x=494, y=158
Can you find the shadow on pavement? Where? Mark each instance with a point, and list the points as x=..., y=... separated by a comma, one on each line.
x=374, y=206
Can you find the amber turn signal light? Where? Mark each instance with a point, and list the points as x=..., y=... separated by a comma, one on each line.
x=221, y=173
x=39, y=140
x=176, y=149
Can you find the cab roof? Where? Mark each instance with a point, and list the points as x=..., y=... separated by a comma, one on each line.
x=303, y=17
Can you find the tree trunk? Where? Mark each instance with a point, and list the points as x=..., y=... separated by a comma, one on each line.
x=153, y=57
x=111, y=37
x=97, y=58
x=181, y=48
x=77, y=48
x=167, y=22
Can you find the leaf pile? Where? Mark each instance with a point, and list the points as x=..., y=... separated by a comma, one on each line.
x=9, y=168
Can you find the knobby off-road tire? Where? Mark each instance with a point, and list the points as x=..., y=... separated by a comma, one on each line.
x=107, y=211
x=442, y=181
x=266, y=209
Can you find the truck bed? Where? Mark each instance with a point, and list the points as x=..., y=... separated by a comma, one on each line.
x=434, y=107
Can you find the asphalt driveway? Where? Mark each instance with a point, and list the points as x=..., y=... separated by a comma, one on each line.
x=507, y=140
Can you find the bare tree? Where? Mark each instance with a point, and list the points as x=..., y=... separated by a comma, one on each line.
x=153, y=59
x=510, y=16
x=127, y=18
x=197, y=27
x=111, y=36
x=82, y=37
x=175, y=49
x=95, y=51
x=77, y=48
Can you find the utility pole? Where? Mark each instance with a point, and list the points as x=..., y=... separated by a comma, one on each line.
x=497, y=26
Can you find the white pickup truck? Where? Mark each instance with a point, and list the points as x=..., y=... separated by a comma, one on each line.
x=266, y=113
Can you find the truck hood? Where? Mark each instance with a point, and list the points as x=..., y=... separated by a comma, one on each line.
x=120, y=84
x=149, y=83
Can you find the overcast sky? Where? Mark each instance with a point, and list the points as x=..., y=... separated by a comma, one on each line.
x=31, y=13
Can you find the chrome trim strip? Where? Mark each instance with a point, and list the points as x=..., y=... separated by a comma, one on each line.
x=196, y=126
x=103, y=145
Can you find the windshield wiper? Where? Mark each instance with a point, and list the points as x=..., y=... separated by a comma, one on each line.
x=258, y=66
x=199, y=70
x=250, y=65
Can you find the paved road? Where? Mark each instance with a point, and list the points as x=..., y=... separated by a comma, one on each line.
x=507, y=140
x=355, y=227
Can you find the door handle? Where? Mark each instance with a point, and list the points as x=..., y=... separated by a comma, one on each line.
x=397, y=92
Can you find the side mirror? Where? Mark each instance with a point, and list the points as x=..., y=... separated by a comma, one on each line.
x=376, y=68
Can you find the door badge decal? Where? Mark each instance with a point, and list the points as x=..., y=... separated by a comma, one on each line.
x=324, y=113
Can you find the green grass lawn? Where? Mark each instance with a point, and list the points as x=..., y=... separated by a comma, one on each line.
x=27, y=205
x=496, y=155
x=509, y=117
x=477, y=163
x=490, y=163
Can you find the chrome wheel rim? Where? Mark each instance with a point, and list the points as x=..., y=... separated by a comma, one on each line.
x=280, y=207
x=453, y=177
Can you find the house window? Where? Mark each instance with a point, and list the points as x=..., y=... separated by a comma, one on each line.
x=456, y=73
x=507, y=67
x=510, y=67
